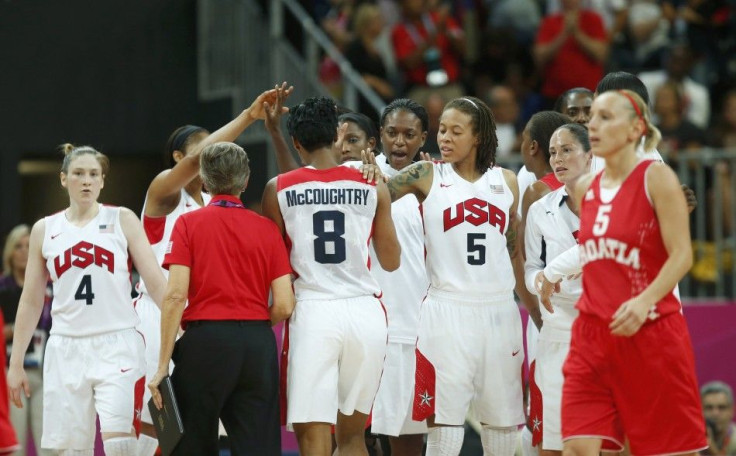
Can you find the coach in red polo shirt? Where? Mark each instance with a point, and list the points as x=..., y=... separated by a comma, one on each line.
x=570, y=50
x=224, y=259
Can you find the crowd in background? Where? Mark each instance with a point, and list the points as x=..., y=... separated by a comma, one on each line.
x=520, y=55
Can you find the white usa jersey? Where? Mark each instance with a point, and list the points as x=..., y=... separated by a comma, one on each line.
x=551, y=230
x=159, y=229
x=405, y=288
x=465, y=224
x=328, y=218
x=90, y=270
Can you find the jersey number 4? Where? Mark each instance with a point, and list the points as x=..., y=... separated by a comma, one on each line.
x=329, y=245
x=84, y=291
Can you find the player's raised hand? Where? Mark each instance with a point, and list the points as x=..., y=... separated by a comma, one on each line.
x=273, y=110
x=18, y=381
x=425, y=156
x=370, y=169
x=257, y=109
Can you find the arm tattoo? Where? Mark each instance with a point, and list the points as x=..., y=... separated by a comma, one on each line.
x=402, y=183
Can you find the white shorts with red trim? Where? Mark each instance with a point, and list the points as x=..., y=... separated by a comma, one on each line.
x=335, y=358
x=393, y=405
x=86, y=377
x=469, y=353
x=551, y=354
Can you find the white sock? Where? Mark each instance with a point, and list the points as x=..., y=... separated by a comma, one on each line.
x=498, y=441
x=120, y=446
x=526, y=443
x=146, y=445
x=89, y=452
x=445, y=440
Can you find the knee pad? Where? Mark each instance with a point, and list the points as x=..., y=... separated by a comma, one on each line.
x=120, y=446
x=445, y=440
x=498, y=441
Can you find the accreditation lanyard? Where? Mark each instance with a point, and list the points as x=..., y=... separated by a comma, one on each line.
x=225, y=203
x=428, y=27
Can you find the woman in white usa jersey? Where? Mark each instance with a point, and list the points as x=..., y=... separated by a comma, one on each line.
x=469, y=347
x=94, y=363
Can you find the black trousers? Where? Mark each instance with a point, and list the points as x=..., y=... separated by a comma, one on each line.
x=228, y=370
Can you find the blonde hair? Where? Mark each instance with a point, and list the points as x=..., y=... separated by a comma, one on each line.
x=639, y=109
x=13, y=238
x=71, y=152
x=363, y=16
x=224, y=168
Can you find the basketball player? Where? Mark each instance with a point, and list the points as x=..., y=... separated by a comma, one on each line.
x=94, y=362
x=174, y=192
x=336, y=337
x=469, y=213
x=630, y=371
x=552, y=226
x=404, y=125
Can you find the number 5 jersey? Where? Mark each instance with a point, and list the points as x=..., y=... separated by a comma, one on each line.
x=91, y=272
x=328, y=218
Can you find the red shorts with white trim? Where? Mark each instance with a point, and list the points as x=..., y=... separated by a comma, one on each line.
x=642, y=388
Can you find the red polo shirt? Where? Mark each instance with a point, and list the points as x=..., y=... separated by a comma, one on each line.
x=571, y=67
x=233, y=254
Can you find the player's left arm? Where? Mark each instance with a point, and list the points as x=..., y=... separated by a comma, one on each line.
x=142, y=255
x=270, y=205
x=172, y=308
x=671, y=211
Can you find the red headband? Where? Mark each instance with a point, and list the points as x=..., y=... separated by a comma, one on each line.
x=636, y=108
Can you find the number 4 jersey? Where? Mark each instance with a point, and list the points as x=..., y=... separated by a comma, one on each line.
x=465, y=226
x=90, y=269
x=328, y=218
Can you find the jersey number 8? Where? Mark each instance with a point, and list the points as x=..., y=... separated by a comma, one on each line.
x=329, y=245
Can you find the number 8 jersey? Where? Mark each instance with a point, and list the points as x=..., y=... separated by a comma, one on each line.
x=90, y=269
x=328, y=218
x=465, y=226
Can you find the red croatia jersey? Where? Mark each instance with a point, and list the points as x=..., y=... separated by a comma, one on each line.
x=621, y=247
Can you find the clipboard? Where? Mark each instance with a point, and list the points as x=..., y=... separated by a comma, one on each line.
x=167, y=421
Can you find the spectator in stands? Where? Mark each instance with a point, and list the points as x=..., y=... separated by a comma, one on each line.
x=521, y=16
x=365, y=57
x=678, y=133
x=613, y=12
x=429, y=46
x=724, y=130
x=647, y=30
x=717, y=399
x=677, y=67
x=570, y=50
x=502, y=101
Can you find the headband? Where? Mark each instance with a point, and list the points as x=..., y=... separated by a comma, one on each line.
x=636, y=109
x=181, y=137
x=471, y=102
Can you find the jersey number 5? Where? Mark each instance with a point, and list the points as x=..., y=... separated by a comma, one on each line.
x=601, y=220
x=476, y=251
x=329, y=246
x=84, y=291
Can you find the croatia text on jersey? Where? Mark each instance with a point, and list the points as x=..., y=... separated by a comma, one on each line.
x=476, y=212
x=82, y=255
x=609, y=249
x=327, y=196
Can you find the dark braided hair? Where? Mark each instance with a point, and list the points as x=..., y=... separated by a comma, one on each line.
x=484, y=127
x=406, y=104
x=180, y=139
